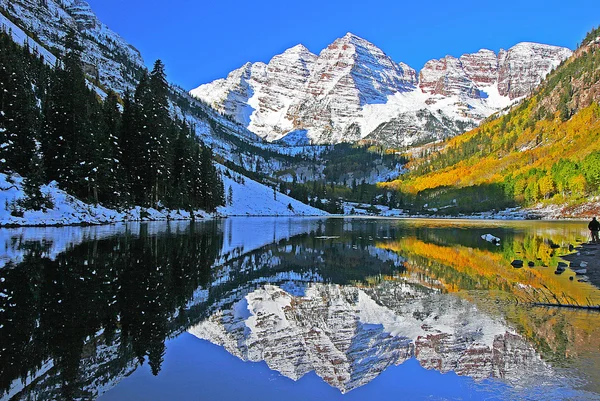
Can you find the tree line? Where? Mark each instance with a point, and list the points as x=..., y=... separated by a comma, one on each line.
x=119, y=152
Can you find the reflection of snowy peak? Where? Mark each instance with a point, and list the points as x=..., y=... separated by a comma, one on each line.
x=353, y=90
x=348, y=335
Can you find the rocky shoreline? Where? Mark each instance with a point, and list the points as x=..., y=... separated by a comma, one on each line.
x=588, y=253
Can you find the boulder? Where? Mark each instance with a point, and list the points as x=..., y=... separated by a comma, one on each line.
x=491, y=238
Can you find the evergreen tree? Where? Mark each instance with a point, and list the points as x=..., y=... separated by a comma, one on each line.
x=128, y=147
x=90, y=150
x=159, y=132
x=211, y=184
x=20, y=117
x=138, y=157
x=34, y=199
x=66, y=113
x=111, y=174
x=140, y=175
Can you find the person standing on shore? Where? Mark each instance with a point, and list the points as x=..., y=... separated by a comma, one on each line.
x=594, y=227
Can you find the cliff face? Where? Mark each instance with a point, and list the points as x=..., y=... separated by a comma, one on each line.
x=519, y=68
x=352, y=90
x=349, y=335
x=105, y=54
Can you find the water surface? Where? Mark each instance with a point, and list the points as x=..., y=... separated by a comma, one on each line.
x=311, y=308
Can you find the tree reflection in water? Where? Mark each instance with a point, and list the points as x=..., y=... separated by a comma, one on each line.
x=361, y=295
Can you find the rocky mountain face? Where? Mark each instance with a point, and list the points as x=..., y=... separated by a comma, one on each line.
x=518, y=68
x=352, y=90
x=349, y=335
x=298, y=90
x=107, y=56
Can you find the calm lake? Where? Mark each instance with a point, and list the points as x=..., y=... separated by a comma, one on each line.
x=295, y=309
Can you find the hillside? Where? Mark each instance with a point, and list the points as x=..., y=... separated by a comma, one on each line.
x=89, y=184
x=113, y=64
x=545, y=151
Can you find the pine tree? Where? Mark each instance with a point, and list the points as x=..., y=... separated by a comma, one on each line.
x=138, y=157
x=19, y=117
x=140, y=175
x=159, y=132
x=89, y=149
x=111, y=173
x=128, y=146
x=34, y=198
x=65, y=118
x=180, y=170
x=212, y=184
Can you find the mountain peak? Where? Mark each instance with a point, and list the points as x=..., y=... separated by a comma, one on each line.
x=299, y=49
x=355, y=40
x=352, y=87
x=350, y=35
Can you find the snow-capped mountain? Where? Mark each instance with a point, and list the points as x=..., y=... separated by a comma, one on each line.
x=352, y=90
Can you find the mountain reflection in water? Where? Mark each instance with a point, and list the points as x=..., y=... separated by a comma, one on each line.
x=82, y=308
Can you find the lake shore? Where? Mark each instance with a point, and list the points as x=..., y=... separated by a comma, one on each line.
x=590, y=254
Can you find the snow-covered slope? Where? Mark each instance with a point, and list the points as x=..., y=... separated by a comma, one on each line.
x=106, y=55
x=20, y=37
x=353, y=91
x=64, y=209
x=246, y=197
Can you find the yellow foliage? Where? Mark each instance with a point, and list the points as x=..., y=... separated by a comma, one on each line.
x=492, y=267
x=539, y=146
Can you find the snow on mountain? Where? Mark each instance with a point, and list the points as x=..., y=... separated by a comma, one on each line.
x=246, y=197
x=259, y=95
x=349, y=335
x=354, y=91
x=519, y=67
x=19, y=36
x=106, y=55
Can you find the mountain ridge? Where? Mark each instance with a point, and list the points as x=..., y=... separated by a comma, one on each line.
x=542, y=154
x=352, y=87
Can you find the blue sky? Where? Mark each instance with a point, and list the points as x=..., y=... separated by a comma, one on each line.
x=200, y=41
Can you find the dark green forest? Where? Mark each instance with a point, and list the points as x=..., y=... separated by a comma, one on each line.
x=56, y=125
